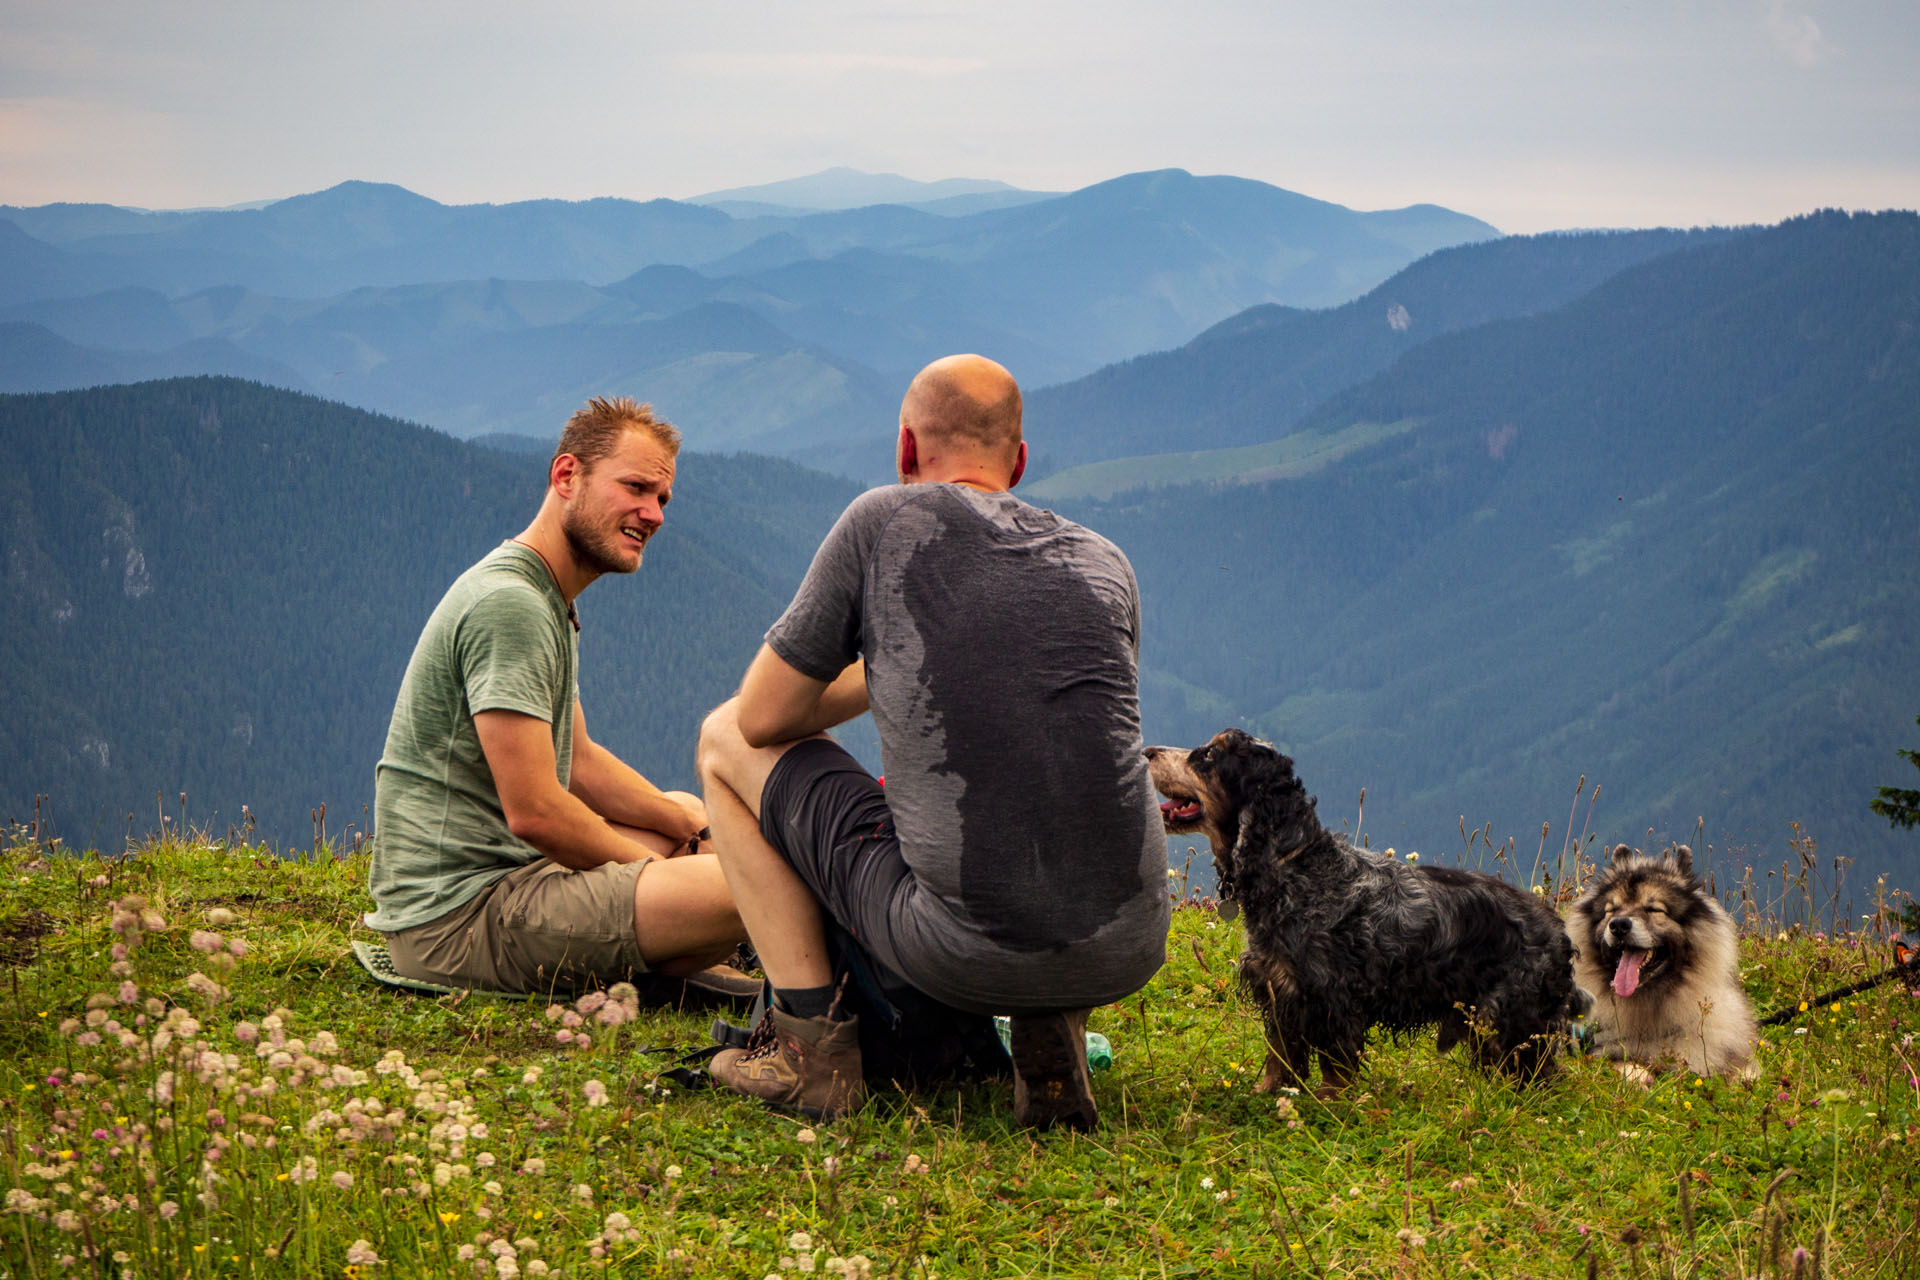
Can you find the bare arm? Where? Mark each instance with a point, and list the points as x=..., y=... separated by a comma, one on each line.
x=617, y=792
x=519, y=751
x=779, y=704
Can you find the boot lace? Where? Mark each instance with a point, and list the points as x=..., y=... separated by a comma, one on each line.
x=762, y=1041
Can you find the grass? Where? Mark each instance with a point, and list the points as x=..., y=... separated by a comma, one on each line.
x=281, y=1115
x=1299, y=454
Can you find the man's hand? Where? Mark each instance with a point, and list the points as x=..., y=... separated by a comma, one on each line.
x=615, y=790
x=779, y=704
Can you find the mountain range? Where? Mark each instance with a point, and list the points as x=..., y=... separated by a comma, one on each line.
x=1628, y=513
x=789, y=334
x=1665, y=536
x=844, y=188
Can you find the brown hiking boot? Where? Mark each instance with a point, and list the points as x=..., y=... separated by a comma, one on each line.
x=1051, y=1083
x=809, y=1065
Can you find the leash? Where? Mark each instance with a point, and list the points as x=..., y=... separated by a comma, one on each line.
x=1906, y=963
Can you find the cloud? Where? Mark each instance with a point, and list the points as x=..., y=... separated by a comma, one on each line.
x=825, y=65
x=1796, y=34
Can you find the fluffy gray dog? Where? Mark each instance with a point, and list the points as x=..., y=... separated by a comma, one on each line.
x=1661, y=960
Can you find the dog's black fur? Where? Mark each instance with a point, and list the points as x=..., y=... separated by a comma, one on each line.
x=1341, y=939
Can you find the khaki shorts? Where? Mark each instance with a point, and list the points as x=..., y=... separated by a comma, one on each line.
x=542, y=929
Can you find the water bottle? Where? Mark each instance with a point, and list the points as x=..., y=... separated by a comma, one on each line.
x=1099, y=1052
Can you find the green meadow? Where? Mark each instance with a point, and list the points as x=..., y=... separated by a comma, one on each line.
x=197, y=1079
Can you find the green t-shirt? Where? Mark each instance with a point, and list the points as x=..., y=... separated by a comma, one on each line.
x=500, y=640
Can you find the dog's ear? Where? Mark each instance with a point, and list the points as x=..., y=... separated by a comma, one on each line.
x=1682, y=859
x=1622, y=854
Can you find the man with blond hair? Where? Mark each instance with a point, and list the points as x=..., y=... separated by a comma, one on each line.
x=511, y=851
x=1014, y=862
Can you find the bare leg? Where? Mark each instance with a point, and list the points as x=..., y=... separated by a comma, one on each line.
x=781, y=916
x=682, y=913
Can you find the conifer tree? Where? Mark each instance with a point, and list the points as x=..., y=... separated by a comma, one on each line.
x=1900, y=806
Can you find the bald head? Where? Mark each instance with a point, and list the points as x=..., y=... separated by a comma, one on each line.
x=963, y=413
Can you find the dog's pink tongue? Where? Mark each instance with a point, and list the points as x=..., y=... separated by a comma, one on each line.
x=1626, y=978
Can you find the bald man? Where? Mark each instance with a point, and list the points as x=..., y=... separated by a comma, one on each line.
x=1014, y=862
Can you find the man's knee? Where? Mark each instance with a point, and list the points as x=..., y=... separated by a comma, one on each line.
x=719, y=735
x=690, y=801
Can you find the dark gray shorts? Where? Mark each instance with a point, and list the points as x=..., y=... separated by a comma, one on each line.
x=828, y=817
x=541, y=928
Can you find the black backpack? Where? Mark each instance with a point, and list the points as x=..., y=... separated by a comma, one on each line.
x=907, y=1038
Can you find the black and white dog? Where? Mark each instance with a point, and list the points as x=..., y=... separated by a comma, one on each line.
x=1341, y=939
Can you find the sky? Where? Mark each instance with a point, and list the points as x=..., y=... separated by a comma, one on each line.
x=1530, y=114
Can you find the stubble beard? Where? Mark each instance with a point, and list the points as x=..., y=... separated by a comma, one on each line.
x=594, y=548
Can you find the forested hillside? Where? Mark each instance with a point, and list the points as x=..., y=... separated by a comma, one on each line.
x=1254, y=376
x=213, y=587
x=1666, y=537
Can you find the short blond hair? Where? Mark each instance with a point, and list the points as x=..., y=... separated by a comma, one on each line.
x=592, y=432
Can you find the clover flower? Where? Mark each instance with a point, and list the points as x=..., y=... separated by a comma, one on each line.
x=200, y=984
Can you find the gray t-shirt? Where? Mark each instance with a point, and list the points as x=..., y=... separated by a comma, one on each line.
x=501, y=639
x=1001, y=645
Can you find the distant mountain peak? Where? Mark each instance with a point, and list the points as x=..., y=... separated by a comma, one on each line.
x=842, y=187
x=358, y=191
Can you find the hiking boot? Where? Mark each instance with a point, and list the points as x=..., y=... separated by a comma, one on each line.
x=1051, y=1083
x=719, y=987
x=809, y=1065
